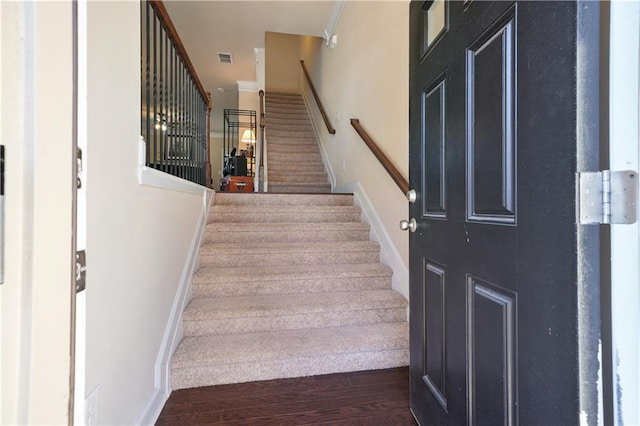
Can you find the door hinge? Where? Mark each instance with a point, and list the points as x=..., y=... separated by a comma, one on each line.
x=78, y=167
x=81, y=271
x=608, y=197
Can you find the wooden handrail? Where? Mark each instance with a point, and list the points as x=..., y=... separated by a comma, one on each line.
x=395, y=174
x=330, y=128
x=163, y=15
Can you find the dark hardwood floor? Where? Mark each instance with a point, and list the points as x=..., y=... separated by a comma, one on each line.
x=378, y=397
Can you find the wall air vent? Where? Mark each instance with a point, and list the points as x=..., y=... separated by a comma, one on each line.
x=225, y=58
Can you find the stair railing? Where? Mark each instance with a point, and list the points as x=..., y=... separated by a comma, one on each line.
x=327, y=123
x=395, y=174
x=176, y=109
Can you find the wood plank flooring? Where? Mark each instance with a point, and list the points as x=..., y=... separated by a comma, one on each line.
x=377, y=397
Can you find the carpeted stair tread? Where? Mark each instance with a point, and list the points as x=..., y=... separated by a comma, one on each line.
x=301, y=179
x=283, y=272
x=293, y=253
x=285, y=214
x=251, y=347
x=286, y=279
x=213, y=249
x=256, y=313
x=291, y=304
x=265, y=199
x=243, y=227
x=320, y=231
x=289, y=188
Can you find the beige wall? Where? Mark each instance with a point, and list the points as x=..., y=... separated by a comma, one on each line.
x=366, y=76
x=36, y=127
x=282, y=62
x=138, y=237
x=248, y=100
x=216, y=159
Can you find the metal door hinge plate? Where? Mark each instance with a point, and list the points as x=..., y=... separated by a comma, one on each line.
x=608, y=197
x=81, y=271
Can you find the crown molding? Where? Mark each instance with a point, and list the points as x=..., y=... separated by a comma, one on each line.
x=332, y=23
x=247, y=86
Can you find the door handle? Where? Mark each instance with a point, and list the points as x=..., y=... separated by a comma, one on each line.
x=410, y=225
x=412, y=196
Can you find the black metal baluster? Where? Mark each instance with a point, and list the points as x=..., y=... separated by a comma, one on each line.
x=148, y=83
x=172, y=117
x=155, y=91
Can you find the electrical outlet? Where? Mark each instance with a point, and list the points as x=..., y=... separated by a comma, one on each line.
x=92, y=407
x=344, y=165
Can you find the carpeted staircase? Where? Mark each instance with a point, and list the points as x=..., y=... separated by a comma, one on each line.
x=289, y=285
x=293, y=157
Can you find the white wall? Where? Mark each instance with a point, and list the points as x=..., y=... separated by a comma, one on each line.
x=138, y=237
x=36, y=128
x=366, y=76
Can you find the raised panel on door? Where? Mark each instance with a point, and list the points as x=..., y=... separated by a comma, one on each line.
x=490, y=121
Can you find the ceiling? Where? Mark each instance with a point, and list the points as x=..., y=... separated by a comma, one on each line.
x=237, y=27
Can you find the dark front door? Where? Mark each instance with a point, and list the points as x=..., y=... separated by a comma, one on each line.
x=502, y=116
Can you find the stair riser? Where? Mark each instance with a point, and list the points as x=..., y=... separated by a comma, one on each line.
x=302, y=235
x=293, y=322
x=288, y=145
x=283, y=286
x=295, y=164
x=271, y=259
x=291, y=148
x=305, y=137
x=182, y=378
x=284, y=199
x=292, y=189
x=298, y=179
x=302, y=217
x=281, y=171
x=282, y=114
x=278, y=175
x=288, y=120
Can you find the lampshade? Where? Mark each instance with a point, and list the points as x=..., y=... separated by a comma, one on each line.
x=248, y=136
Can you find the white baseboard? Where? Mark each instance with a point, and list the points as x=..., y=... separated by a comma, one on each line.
x=389, y=254
x=174, y=330
x=323, y=152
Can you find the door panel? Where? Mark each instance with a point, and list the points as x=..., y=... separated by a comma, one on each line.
x=490, y=123
x=494, y=260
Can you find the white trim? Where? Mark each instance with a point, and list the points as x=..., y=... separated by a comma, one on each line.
x=389, y=254
x=323, y=152
x=332, y=23
x=247, y=86
x=173, y=332
x=624, y=136
x=151, y=177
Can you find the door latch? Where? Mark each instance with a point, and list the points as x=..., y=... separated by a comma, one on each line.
x=608, y=197
x=81, y=271
x=78, y=167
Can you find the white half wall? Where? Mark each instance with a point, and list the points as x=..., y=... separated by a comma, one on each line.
x=141, y=239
